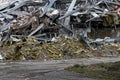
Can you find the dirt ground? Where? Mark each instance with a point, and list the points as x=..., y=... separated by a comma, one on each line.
x=47, y=70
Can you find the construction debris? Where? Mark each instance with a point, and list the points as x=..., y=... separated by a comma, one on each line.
x=24, y=18
x=44, y=20
x=63, y=47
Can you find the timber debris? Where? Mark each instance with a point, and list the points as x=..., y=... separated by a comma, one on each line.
x=49, y=18
x=43, y=21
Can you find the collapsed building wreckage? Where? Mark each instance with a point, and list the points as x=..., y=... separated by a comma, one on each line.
x=45, y=19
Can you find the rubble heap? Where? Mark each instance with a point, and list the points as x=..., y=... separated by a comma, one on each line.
x=42, y=21
x=63, y=47
x=49, y=18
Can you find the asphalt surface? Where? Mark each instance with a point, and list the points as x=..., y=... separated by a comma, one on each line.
x=47, y=70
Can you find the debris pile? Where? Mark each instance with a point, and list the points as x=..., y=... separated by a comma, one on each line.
x=32, y=24
x=63, y=47
x=49, y=18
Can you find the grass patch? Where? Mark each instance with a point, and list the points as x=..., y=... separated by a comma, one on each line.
x=109, y=71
